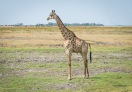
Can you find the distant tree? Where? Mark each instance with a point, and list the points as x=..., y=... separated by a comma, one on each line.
x=19, y=24
x=40, y=24
x=51, y=24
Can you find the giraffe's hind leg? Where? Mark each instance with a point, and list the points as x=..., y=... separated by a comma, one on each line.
x=84, y=56
x=86, y=72
x=86, y=69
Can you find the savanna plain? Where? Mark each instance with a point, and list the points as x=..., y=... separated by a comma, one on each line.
x=32, y=59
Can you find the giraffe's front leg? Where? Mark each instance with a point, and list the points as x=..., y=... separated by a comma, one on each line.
x=69, y=63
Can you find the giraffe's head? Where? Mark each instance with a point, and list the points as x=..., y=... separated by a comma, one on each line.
x=52, y=15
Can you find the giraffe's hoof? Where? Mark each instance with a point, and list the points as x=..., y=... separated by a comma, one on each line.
x=69, y=78
x=86, y=77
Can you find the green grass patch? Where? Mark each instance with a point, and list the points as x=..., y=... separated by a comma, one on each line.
x=110, y=82
x=29, y=83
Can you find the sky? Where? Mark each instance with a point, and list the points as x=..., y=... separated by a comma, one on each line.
x=31, y=12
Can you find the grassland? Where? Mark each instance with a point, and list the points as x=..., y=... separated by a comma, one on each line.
x=33, y=59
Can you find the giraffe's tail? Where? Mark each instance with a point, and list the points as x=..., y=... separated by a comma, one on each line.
x=90, y=52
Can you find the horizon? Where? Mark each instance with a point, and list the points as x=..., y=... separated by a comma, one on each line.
x=66, y=24
x=32, y=12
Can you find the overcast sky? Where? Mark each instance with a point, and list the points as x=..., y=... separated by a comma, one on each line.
x=107, y=12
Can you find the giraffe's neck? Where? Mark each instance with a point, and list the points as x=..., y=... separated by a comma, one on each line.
x=66, y=33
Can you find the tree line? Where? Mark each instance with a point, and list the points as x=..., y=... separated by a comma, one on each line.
x=71, y=24
x=55, y=24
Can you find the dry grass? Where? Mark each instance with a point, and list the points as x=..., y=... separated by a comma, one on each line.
x=48, y=36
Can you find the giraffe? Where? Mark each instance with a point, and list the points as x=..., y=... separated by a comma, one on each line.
x=72, y=44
